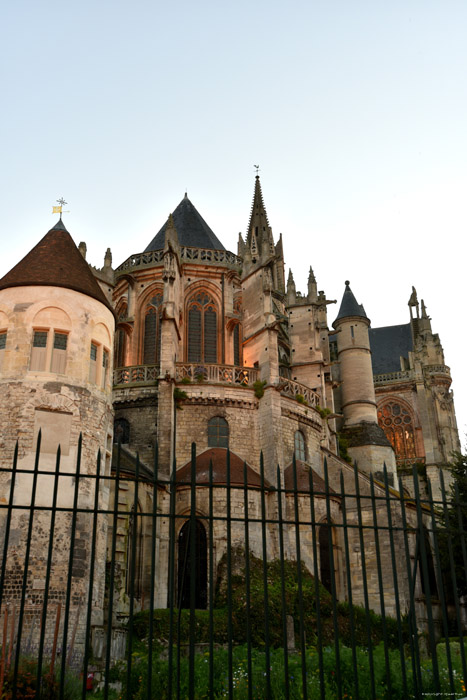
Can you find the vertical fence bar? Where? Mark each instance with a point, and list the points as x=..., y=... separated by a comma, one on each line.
x=452, y=568
x=380, y=584
x=395, y=579
x=66, y=617
x=24, y=586
x=193, y=567
x=440, y=586
x=134, y=542
x=247, y=580
x=317, y=587
x=333, y=579
x=153, y=567
x=171, y=578
x=229, y=577
x=280, y=523
x=108, y=647
x=6, y=536
x=365, y=582
x=299, y=578
x=349, y=583
x=211, y=583
x=53, y=512
x=414, y=647
x=87, y=638
x=265, y=583
x=426, y=581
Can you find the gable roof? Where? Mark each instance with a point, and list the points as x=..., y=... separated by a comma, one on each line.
x=55, y=262
x=192, y=230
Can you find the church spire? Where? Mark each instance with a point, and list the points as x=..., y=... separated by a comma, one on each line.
x=259, y=235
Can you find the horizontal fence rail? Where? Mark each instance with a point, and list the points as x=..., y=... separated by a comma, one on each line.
x=228, y=582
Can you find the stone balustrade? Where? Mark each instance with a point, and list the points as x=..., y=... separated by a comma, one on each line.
x=218, y=374
x=138, y=374
x=293, y=389
x=389, y=377
x=204, y=255
x=437, y=369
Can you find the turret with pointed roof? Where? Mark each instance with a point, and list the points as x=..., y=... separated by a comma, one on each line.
x=367, y=442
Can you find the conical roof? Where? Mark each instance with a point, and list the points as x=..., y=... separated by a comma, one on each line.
x=349, y=305
x=55, y=262
x=192, y=230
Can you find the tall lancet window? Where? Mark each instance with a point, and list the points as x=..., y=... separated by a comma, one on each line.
x=397, y=422
x=152, y=331
x=202, y=329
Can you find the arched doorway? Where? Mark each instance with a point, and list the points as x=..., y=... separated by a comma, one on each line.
x=199, y=567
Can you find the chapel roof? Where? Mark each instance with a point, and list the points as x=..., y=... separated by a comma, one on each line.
x=303, y=471
x=192, y=230
x=349, y=305
x=388, y=344
x=55, y=262
x=218, y=457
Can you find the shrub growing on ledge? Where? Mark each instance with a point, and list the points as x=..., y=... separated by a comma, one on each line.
x=258, y=386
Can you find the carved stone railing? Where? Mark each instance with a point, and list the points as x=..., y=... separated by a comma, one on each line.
x=138, y=374
x=204, y=255
x=219, y=374
x=437, y=369
x=389, y=377
x=141, y=260
x=293, y=389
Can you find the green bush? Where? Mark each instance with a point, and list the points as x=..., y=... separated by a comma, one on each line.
x=385, y=670
x=258, y=386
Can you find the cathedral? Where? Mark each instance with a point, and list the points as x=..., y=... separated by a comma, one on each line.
x=187, y=342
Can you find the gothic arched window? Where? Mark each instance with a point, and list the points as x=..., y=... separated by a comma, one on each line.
x=152, y=331
x=121, y=431
x=187, y=567
x=202, y=329
x=134, y=554
x=300, y=446
x=218, y=432
x=397, y=423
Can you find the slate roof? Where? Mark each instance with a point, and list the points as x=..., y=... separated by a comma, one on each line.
x=218, y=456
x=191, y=228
x=349, y=305
x=55, y=262
x=388, y=344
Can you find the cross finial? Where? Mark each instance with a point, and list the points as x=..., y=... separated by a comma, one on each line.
x=257, y=170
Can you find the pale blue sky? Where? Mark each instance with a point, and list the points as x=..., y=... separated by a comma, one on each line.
x=356, y=113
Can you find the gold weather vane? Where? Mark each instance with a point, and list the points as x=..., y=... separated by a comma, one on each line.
x=257, y=169
x=59, y=208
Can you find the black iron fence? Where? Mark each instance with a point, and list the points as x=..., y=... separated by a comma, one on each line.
x=218, y=582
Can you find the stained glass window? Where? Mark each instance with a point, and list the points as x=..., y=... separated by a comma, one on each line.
x=397, y=423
